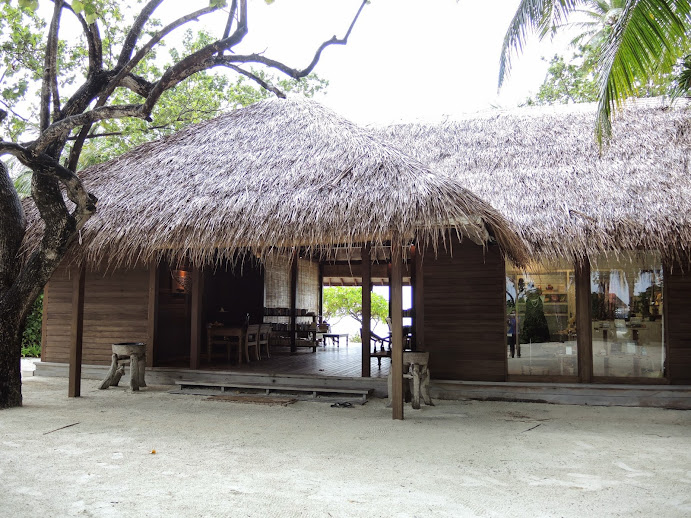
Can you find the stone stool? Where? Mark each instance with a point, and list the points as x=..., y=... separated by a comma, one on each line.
x=128, y=353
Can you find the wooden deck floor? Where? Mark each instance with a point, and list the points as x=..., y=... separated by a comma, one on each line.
x=340, y=361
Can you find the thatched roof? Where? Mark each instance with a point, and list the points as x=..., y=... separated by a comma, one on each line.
x=540, y=167
x=277, y=174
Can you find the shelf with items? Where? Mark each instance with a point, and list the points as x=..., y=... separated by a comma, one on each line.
x=292, y=328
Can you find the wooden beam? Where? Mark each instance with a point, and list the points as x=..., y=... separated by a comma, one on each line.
x=76, y=333
x=584, y=329
x=152, y=324
x=667, y=279
x=320, y=311
x=418, y=300
x=44, y=320
x=366, y=309
x=293, y=300
x=389, y=266
x=396, y=305
x=196, y=317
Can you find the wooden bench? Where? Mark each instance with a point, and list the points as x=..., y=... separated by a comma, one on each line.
x=362, y=393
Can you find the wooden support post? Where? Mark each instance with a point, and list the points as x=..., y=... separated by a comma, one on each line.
x=366, y=309
x=152, y=324
x=388, y=274
x=321, y=289
x=584, y=329
x=418, y=301
x=76, y=334
x=44, y=320
x=196, y=317
x=293, y=300
x=396, y=304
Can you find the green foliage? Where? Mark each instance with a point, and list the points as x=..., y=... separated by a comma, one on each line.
x=637, y=44
x=31, y=339
x=22, y=184
x=342, y=301
x=575, y=81
x=200, y=97
x=21, y=179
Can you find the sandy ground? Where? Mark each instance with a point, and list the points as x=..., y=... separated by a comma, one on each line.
x=309, y=459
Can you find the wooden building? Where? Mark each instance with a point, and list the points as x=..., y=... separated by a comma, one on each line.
x=229, y=219
x=583, y=267
x=608, y=233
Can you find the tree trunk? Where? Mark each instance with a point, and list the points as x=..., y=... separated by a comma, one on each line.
x=11, y=234
x=10, y=358
x=22, y=280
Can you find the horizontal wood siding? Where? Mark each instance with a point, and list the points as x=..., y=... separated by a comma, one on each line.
x=464, y=320
x=57, y=316
x=678, y=326
x=115, y=310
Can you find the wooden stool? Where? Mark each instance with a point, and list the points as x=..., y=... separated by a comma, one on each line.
x=128, y=353
x=416, y=371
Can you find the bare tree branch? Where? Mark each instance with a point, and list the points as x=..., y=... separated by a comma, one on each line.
x=292, y=72
x=135, y=31
x=59, y=131
x=181, y=70
x=126, y=69
x=85, y=202
x=50, y=66
x=9, y=108
x=126, y=79
x=231, y=19
x=93, y=40
x=258, y=80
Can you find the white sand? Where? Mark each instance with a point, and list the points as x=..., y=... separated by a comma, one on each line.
x=308, y=459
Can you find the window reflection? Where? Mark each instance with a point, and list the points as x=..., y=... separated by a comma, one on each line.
x=626, y=310
x=541, y=321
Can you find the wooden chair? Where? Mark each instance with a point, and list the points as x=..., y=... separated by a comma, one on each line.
x=381, y=348
x=216, y=340
x=264, y=333
x=252, y=341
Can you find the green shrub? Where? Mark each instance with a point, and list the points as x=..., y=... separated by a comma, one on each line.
x=31, y=339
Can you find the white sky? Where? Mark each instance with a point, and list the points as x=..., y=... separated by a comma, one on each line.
x=405, y=60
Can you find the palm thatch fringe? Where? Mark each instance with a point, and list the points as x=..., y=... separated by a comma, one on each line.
x=542, y=170
x=275, y=175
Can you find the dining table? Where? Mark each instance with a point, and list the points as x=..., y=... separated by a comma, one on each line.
x=223, y=335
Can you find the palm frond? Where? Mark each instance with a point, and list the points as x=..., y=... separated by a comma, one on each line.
x=22, y=184
x=646, y=39
x=541, y=16
x=682, y=80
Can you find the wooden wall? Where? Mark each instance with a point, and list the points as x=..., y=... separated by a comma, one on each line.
x=115, y=310
x=464, y=315
x=677, y=321
x=57, y=316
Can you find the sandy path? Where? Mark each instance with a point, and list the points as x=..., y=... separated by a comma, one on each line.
x=308, y=459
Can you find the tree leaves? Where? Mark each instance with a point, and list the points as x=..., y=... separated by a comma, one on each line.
x=88, y=7
x=341, y=301
x=28, y=5
x=642, y=40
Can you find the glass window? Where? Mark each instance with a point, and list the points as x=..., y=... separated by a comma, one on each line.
x=626, y=310
x=541, y=321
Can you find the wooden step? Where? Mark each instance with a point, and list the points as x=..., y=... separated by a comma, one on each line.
x=363, y=393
